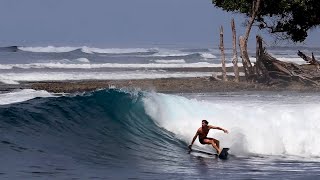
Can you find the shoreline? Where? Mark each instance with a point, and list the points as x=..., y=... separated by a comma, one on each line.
x=163, y=85
x=205, y=84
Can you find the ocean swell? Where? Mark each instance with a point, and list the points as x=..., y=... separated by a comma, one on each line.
x=115, y=130
x=108, y=127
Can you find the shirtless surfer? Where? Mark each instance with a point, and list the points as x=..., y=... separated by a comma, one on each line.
x=203, y=131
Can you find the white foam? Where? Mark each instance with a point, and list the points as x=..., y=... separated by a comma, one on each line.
x=85, y=49
x=7, y=81
x=170, y=61
x=208, y=56
x=22, y=95
x=91, y=50
x=61, y=65
x=14, y=78
x=48, y=49
x=272, y=128
x=285, y=59
x=170, y=53
x=6, y=66
x=83, y=60
x=292, y=59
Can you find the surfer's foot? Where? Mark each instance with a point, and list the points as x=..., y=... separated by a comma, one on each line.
x=219, y=151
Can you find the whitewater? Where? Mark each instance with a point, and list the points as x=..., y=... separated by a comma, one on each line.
x=121, y=134
x=265, y=124
x=19, y=64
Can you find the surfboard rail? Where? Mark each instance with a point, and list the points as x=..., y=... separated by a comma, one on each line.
x=223, y=155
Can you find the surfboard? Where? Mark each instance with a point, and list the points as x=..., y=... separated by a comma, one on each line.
x=224, y=153
x=203, y=152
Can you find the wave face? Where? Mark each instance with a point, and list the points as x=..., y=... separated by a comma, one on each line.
x=104, y=128
x=9, y=49
x=119, y=134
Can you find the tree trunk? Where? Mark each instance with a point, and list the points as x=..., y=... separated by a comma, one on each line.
x=244, y=42
x=262, y=71
x=255, y=9
x=235, y=53
x=223, y=57
x=247, y=67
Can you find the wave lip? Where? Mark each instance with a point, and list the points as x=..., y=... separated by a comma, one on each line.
x=49, y=49
x=89, y=50
x=127, y=51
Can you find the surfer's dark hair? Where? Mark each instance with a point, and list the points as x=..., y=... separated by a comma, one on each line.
x=205, y=121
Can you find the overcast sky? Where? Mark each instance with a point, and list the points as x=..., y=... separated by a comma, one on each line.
x=118, y=23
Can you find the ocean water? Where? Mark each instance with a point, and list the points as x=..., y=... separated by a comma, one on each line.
x=120, y=134
x=18, y=64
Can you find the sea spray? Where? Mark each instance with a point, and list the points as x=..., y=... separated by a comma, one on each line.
x=259, y=127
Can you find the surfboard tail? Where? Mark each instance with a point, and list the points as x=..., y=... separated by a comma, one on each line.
x=224, y=153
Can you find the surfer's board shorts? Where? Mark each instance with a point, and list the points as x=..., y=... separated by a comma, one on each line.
x=201, y=140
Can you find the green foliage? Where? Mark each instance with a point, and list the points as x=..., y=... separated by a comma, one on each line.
x=293, y=18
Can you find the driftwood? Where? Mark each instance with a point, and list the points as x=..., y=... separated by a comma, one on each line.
x=271, y=71
x=310, y=60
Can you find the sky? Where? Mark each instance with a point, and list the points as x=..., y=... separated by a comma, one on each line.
x=120, y=23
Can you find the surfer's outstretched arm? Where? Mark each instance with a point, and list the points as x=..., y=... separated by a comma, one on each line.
x=216, y=127
x=194, y=138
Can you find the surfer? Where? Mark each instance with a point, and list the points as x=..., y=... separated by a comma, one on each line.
x=203, y=131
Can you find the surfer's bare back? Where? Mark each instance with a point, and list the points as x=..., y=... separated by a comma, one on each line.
x=203, y=131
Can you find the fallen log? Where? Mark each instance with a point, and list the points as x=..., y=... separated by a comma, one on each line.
x=311, y=60
x=271, y=70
